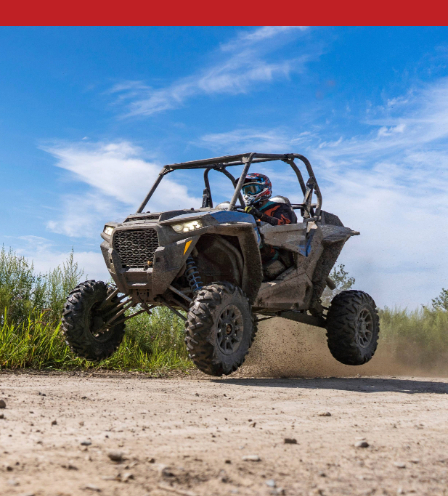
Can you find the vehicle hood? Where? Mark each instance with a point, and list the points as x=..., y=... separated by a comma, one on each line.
x=211, y=217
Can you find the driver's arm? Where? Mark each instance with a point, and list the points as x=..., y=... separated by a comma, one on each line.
x=277, y=215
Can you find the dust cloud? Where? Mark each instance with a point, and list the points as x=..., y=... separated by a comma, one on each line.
x=288, y=349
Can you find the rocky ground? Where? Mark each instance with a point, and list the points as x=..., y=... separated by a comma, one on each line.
x=202, y=436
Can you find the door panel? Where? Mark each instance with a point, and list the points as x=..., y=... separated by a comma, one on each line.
x=291, y=237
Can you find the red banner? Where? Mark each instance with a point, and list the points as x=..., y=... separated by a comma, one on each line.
x=229, y=13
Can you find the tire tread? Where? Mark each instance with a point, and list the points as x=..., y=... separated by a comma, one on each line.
x=198, y=324
x=341, y=327
x=73, y=324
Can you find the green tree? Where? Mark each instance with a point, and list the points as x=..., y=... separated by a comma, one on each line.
x=342, y=281
x=441, y=302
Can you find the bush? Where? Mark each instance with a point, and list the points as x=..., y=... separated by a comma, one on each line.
x=23, y=293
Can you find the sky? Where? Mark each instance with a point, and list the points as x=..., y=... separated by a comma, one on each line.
x=89, y=115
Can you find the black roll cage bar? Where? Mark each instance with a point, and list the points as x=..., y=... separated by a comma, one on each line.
x=220, y=164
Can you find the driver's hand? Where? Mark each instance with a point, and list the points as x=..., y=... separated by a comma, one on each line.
x=250, y=209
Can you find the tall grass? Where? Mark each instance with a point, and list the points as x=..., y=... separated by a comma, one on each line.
x=31, y=306
x=152, y=344
x=418, y=338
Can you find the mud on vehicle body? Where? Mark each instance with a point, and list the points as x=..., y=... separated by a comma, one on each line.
x=206, y=262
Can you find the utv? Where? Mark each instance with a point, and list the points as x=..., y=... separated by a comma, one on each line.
x=206, y=263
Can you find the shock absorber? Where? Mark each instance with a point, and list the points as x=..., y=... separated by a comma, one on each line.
x=192, y=274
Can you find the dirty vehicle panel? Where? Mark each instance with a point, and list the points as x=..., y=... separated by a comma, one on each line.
x=144, y=257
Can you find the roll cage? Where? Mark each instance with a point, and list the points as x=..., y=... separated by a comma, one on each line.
x=220, y=164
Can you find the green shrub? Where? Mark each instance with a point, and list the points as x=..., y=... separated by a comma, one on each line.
x=24, y=293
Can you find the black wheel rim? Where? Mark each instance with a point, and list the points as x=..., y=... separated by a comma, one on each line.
x=230, y=330
x=364, y=328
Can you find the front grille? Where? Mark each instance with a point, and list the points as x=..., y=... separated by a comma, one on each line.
x=136, y=247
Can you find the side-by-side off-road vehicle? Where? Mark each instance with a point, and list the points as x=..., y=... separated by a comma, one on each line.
x=204, y=264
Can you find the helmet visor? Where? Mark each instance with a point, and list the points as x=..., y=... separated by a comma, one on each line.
x=252, y=189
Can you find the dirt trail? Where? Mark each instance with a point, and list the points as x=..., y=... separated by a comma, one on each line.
x=190, y=436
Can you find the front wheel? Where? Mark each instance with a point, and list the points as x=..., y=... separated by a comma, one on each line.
x=86, y=313
x=352, y=327
x=220, y=328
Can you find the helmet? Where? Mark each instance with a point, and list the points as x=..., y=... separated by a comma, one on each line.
x=256, y=188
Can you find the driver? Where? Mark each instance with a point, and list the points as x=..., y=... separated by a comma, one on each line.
x=257, y=189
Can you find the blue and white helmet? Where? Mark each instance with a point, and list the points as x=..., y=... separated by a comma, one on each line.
x=256, y=188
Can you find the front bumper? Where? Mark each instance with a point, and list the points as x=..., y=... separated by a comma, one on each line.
x=139, y=266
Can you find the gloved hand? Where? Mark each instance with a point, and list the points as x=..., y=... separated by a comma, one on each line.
x=250, y=209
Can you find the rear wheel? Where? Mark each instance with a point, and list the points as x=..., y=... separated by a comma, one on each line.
x=352, y=327
x=220, y=328
x=85, y=314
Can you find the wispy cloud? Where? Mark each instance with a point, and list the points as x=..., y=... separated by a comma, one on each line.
x=277, y=140
x=81, y=215
x=390, y=183
x=408, y=123
x=45, y=256
x=118, y=179
x=240, y=64
x=250, y=38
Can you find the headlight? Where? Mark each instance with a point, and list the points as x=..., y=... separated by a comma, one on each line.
x=187, y=226
x=108, y=230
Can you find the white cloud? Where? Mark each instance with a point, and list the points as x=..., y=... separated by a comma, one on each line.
x=45, y=256
x=390, y=184
x=400, y=255
x=118, y=178
x=81, y=214
x=385, y=131
x=239, y=65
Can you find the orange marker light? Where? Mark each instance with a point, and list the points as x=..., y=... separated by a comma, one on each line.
x=187, y=245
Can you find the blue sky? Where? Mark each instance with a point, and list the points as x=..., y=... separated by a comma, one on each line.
x=88, y=116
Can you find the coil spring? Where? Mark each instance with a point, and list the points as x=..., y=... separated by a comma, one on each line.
x=192, y=274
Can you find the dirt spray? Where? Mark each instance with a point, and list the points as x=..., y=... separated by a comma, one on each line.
x=288, y=349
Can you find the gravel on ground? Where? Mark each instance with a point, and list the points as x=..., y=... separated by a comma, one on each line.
x=78, y=434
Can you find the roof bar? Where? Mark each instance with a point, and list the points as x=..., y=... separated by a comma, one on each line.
x=245, y=159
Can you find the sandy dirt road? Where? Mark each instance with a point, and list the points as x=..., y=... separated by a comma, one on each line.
x=191, y=436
